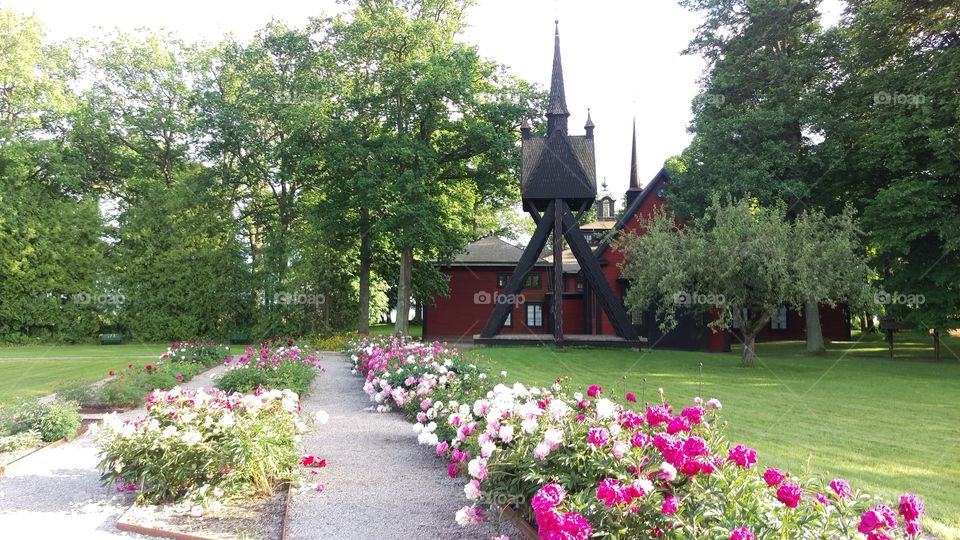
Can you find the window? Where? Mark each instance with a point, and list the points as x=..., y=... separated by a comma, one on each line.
x=588, y=237
x=609, y=208
x=532, y=282
x=578, y=283
x=778, y=320
x=534, y=314
x=509, y=321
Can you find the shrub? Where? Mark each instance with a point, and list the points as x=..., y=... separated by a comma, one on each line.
x=586, y=465
x=20, y=441
x=131, y=385
x=206, y=354
x=53, y=420
x=79, y=391
x=335, y=342
x=281, y=368
x=203, y=446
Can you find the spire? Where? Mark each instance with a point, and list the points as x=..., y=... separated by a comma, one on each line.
x=634, y=181
x=525, y=128
x=589, y=125
x=557, y=112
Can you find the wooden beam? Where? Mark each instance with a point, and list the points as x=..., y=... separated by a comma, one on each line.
x=529, y=258
x=593, y=274
x=559, y=209
x=536, y=217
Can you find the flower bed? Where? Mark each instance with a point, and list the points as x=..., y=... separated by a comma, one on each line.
x=580, y=465
x=200, y=448
x=207, y=353
x=270, y=366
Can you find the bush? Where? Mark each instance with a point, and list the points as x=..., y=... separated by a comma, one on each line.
x=281, y=368
x=335, y=342
x=206, y=354
x=53, y=420
x=131, y=385
x=203, y=446
x=585, y=465
x=78, y=391
x=20, y=441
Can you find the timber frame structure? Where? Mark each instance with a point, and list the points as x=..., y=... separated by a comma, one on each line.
x=558, y=175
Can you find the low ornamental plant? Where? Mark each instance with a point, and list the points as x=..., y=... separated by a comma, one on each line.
x=590, y=466
x=127, y=387
x=204, y=447
x=270, y=367
x=52, y=420
x=204, y=353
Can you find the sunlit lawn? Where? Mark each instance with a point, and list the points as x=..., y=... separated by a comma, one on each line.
x=888, y=426
x=416, y=330
x=33, y=371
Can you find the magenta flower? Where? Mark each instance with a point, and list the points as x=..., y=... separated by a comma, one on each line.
x=877, y=519
x=670, y=505
x=598, y=436
x=575, y=527
x=790, y=494
x=678, y=424
x=742, y=533
x=547, y=497
x=658, y=415
x=911, y=507
x=773, y=477
x=695, y=446
x=454, y=469
x=594, y=390
x=841, y=488
x=630, y=420
x=631, y=398
x=693, y=414
x=640, y=439
x=743, y=456
x=609, y=491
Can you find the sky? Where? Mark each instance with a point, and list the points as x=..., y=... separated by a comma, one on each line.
x=621, y=58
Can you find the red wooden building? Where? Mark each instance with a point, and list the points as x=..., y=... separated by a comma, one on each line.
x=479, y=277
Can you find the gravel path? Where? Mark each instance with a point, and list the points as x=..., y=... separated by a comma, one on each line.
x=379, y=483
x=56, y=493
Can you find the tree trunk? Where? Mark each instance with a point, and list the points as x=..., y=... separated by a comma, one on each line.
x=366, y=255
x=749, y=347
x=418, y=311
x=814, y=332
x=402, y=326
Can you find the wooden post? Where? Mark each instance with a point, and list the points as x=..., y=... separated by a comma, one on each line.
x=558, y=210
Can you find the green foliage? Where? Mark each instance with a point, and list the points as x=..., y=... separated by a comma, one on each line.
x=20, y=441
x=53, y=420
x=128, y=387
x=335, y=342
x=740, y=255
x=206, y=354
x=199, y=447
x=288, y=375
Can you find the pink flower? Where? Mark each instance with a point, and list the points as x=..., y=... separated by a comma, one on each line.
x=677, y=425
x=111, y=373
x=742, y=533
x=541, y=451
x=714, y=404
x=547, y=497
x=454, y=469
x=425, y=404
x=442, y=448
x=640, y=439
x=913, y=527
x=773, y=477
x=575, y=527
x=668, y=472
x=876, y=519
x=631, y=398
x=594, y=390
x=609, y=491
x=790, y=494
x=307, y=461
x=841, y=488
x=630, y=420
x=180, y=377
x=670, y=505
x=743, y=456
x=911, y=507
x=695, y=446
x=422, y=417
x=693, y=414
x=821, y=499
x=598, y=436
x=658, y=415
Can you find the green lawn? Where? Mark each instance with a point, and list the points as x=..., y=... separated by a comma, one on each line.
x=888, y=426
x=33, y=371
x=416, y=330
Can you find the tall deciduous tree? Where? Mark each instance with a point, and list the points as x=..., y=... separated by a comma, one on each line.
x=741, y=255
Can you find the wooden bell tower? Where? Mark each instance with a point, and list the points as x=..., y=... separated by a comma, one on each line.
x=558, y=177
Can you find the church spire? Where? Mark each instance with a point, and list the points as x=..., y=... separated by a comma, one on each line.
x=557, y=112
x=634, y=188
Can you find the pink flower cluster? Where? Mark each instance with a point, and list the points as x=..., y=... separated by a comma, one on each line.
x=551, y=524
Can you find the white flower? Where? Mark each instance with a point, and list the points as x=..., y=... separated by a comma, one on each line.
x=462, y=518
x=541, y=451
x=606, y=408
x=553, y=437
x=529, y=425
x=506, y=433
x=216, y=506
x=614, y=429
x=191, y=437
x=578, y=396
x=226, y=420
x=170, y=431
x=558, y=408
x=619, y=449
x=418, y=427
x=322, y=417
x=487, y=449
x=503, y=373
x=196, y=511
x=472, y=490
x=667, y=472
x=644, y=484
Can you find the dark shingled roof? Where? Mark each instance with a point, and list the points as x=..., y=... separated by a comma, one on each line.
x=662, y=177
x=582, y=150
x=491, y=251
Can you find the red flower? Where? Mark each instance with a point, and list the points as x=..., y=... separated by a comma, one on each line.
x=149, y=367
x=130, y=366
x=111, y=373
x=180, y=377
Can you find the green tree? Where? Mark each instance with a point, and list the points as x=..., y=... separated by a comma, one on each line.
x=741, y=255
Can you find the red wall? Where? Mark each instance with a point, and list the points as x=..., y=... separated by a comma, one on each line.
x=460, y=316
